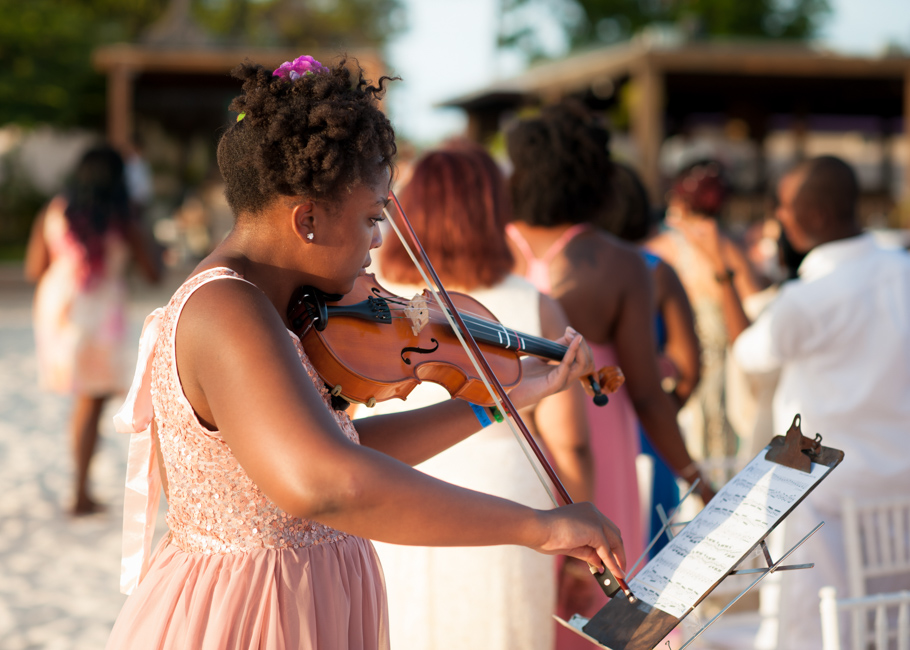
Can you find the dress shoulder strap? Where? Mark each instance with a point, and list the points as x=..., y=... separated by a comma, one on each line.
x=564, y=239
x=522, y=243
x=555, y=248
x=538, y=268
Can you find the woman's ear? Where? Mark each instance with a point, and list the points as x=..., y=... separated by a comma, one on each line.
x=303, y=221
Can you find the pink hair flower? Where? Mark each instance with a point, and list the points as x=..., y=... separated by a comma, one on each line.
x=299, y=67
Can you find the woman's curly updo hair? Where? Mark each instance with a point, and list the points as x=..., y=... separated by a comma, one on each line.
x=561, y=162
x=318, y=136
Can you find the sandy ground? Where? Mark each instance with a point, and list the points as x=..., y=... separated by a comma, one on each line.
x=59, y=576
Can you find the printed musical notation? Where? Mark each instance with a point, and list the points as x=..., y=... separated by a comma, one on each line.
x=729, y=527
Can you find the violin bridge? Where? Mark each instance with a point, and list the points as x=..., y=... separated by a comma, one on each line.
x=419, y=313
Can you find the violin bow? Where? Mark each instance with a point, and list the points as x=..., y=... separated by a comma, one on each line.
x=609, y=583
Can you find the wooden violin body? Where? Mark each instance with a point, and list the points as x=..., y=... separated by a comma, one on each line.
x=372, y=351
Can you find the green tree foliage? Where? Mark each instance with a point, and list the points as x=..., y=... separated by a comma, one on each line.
x=46, y=45
x=591, y=22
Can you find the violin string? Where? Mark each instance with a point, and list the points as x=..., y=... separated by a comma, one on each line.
x=531, y=459
x=485, y=326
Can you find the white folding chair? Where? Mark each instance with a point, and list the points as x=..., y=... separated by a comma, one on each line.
x=877, y=544
x=889, y=614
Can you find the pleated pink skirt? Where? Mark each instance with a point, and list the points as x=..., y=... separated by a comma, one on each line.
x=326, y=597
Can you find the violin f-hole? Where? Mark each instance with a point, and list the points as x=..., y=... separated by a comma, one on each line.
x=418, y=350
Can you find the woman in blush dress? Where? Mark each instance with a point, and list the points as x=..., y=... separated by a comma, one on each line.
x=78, y=253
x=500, y=597
x=273, y=492
x=560, y=161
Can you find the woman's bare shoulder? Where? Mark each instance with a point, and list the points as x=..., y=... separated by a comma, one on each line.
x=619, y=259
x=227, y=309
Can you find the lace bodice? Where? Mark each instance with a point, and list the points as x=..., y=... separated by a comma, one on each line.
x=213, y=506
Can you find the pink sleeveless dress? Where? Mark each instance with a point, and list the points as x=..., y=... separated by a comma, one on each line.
x=614, y=439
x=235, y=571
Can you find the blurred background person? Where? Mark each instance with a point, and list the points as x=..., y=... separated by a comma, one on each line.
x=560, y=160
x=496, y=597
x=699, y=191
x=629, y=218
x=78, y=253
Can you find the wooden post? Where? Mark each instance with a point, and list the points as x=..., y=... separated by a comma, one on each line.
x=903, y=200
x=120, y=106
x=647, y=121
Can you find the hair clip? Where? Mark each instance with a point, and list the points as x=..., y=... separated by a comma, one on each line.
x=241, y=116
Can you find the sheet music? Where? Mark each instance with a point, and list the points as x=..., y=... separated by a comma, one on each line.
x=729, y=527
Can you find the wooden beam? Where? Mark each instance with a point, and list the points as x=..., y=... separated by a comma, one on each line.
x=779, y=62
x=903, y=201
x=647, y=121
x=120, y=106
x=215, y=61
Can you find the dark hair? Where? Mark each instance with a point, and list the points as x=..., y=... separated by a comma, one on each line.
x=629, y=214
x=317, y=136
x=701, y=186
x=458, y=204
x=829, y=185
x=97, y=203
x=560, y=161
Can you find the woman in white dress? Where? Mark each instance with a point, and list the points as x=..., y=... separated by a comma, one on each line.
x=501, y=597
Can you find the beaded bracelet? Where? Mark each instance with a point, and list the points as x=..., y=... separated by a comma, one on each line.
x=494, y=411
x=481, y=414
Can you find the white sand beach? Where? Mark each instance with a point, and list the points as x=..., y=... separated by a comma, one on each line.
x=59, y=575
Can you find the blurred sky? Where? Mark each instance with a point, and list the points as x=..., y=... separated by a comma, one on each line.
x=449, y=49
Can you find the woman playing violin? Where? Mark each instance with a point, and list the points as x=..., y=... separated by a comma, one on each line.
x=272, y=494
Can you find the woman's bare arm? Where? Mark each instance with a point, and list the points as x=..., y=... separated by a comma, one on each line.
x=37, y=255
x=682, y=346
x=744, y=278
x=637, y=353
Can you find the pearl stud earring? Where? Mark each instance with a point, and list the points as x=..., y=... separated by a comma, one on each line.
x=310, y=236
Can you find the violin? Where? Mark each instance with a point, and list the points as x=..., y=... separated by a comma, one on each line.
x=370, y=345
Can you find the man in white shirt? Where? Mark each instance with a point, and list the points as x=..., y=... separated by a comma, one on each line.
x=840, y=336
